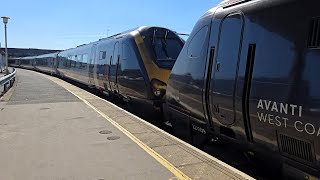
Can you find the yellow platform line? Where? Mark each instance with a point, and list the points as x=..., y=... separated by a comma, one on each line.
x=179, y=174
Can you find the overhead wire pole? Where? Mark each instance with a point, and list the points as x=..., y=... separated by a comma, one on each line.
x=5, y=21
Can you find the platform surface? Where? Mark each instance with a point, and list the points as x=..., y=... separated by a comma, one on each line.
x=50, y=129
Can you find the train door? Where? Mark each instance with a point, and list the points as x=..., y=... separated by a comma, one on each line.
x=91, y=65
x=113, y=68
x=225, y=70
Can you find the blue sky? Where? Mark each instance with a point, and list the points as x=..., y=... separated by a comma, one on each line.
x=63, y=24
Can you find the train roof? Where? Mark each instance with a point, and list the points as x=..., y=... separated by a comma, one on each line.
x=231, y=3
x=115, y=36
x=41, y=56
x=48, y=55
x=228, y=3
x=29, y=57
x=130, y=31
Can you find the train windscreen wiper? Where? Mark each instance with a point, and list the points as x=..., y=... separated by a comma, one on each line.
x=153, y=42
x=164, y=44
x=154, y=36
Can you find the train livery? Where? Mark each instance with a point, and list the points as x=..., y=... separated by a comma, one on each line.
x=249, y=75
x=133, y=65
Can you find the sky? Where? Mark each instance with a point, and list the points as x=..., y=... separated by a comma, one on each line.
x=62, y=24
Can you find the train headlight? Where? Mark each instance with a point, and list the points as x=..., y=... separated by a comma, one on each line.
x=158, y=87
x=157, y=92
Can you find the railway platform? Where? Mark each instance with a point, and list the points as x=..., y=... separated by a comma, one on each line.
x=50, y=129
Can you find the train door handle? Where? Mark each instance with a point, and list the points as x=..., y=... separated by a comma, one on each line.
x=218, y=66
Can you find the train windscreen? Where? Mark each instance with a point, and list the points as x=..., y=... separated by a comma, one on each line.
x=166, y=50
x=164, y=45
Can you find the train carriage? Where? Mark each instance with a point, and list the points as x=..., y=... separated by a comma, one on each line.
x=46, y=63
x=248, y=75
x=75, y=63
x=26, y=62
x=133, y=65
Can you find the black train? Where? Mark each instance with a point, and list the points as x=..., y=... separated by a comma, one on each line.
x=249, y=75
x=134, y=65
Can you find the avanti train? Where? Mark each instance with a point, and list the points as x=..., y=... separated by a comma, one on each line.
x=133, y=65
x=249, y=75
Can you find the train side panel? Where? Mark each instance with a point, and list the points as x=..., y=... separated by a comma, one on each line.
x=284, y=96
x=104, y=54
x=132, y=76
x=27, y=62
x=46, y=63
x=187, y=81
x=75, y=63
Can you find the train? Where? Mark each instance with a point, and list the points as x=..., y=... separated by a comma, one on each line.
x=248, y=75
x=132, y=66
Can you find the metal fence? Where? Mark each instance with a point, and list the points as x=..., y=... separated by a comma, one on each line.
x=6, y=82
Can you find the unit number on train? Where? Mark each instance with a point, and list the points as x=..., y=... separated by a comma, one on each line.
x=280, y=113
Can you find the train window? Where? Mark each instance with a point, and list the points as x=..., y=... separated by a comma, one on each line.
x=197, y=42
x=79, y=61
x=79, y=58
x=102, y=55
x=85, y=58
x=166, y=49
x=73, y=61
x=126, y=52
x=129, y=64
x=76, y=57
x=63, y=60
x=68, y=61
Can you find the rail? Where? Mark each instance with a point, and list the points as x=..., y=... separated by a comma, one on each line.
x=7, y=81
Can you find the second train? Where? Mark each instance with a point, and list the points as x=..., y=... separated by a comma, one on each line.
x=133, y=66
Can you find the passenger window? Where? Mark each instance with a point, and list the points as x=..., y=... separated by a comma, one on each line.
x=73, y=61
x=79, y=61
x=197, y=42
x=126, y=53
x=85, y=58
x=102, y=55
x=129, y=60
x=79, y=58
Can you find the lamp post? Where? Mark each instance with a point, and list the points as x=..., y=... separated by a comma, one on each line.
x=5, y=21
